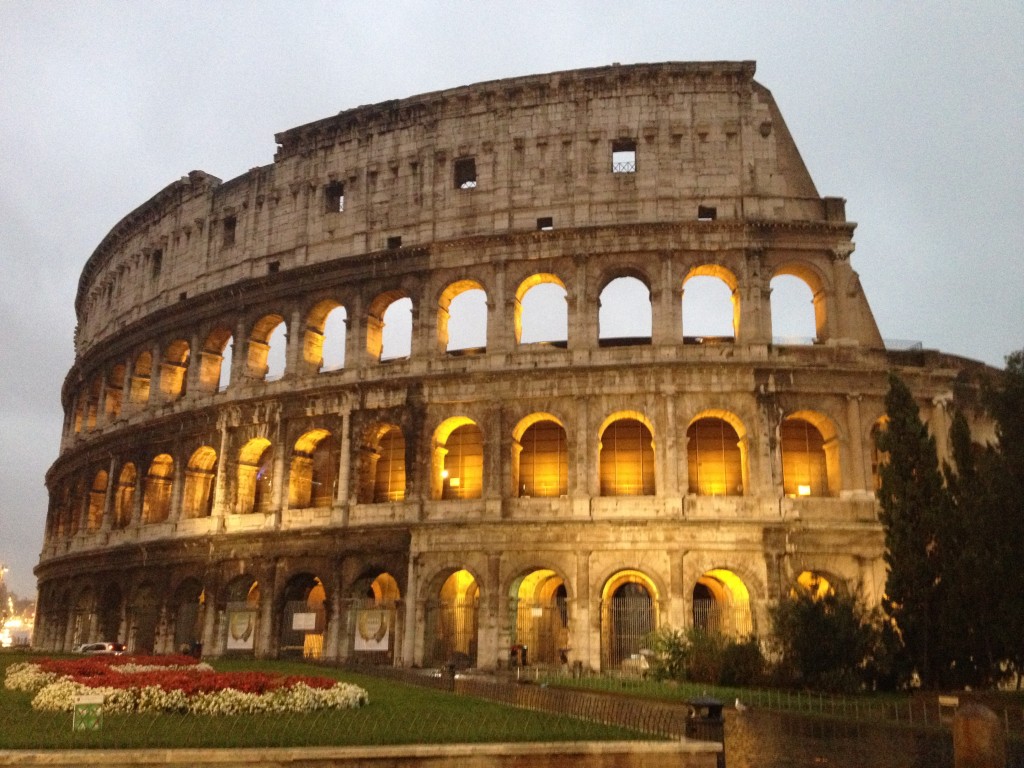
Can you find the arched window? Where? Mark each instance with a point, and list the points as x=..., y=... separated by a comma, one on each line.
x=174, y=369
x=714, y=458
x=462, y=317
x=97, y=500
x=156, y=497
x=255, y=476
x=711, y=308
x=542, y=311
x=125, y=498
x=141, y=373
x=215, y=361
x=461, y=459
x=389, y=327
x=543, y=460
x=325, y=336
x=624, y=316
x=114, y=393
x=627, y=459
x=804, y=466
x=199, y=479
x=389, y=472
x=796, y=317
x=314, y=470
x=267, y=348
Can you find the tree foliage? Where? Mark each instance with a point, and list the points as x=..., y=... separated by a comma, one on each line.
x=914, y=506
x=955, y=540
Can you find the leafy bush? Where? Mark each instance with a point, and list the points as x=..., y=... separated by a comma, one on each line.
x=705, y=657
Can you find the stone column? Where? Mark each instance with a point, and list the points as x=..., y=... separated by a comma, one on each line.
x=582, y=310
x=857, y=471
x=342, y=497
x=220, y=500
x=584, y=632
x=156, y=366
x=332, y=639
x=293, y=356
x=177, y=487
x=412, y=655
x=108, y=502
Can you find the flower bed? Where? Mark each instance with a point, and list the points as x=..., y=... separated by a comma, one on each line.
x=175, y=684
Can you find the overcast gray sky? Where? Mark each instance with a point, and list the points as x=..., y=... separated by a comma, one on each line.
x=912, y=112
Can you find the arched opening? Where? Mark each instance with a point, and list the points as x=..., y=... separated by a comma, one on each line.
x=626, y=457
x=82, y=618
x=314, y=470
x=816, y=584
x=142, y=371
x=540, y=457
x=389, y=327
x=539, y=618
x=721, y=604
x=388, y=467
x=75, y=506
x=452, y=619
x=174, y=369
x=215, y=361
x=156, y=496
x=97, y=500
x=114, y=393
x=267, y=342
x=242, y=614
x=711, y=307
x=797, y=318
x=189, y=605
x=143, y=616
x=125, y=498
x=462, y=317
x=715, y=458
x=624, y=315
x=629, y=613
x=375, y=620
x=460, y=459
x=542, y=311
x=304, y=617
x=255, y=491
x=199, y=480
x=323, y=346
x=805, y=464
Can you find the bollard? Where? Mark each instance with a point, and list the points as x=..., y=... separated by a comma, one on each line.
x=978, y=738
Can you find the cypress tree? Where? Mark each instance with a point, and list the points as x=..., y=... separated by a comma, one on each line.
x=914, y=505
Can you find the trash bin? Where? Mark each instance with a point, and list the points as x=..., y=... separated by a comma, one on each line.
x=706, y=723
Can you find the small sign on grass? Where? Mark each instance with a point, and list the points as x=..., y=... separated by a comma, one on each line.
x=88, y=712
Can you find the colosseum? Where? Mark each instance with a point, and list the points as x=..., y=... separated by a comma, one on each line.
x=483, y=369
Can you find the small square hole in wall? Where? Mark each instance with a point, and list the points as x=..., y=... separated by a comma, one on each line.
x=706, y=213
x=624, y=156
x=183, y=295
x=273, y=267
x=465, y=173
x=334, y=197
x=395, y=241
x=230, y=223
x=545, y=223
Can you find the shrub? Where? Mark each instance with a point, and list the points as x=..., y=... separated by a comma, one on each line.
x=705, y=657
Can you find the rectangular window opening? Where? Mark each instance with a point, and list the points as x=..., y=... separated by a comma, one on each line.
x=706, y=213
x=157, y=262
x=395, y=241
x=624, y=156
x=334, y=197
x=229, y=230
x=465, y=173
x=183, y=295
x=545, y=223
x=273, y=267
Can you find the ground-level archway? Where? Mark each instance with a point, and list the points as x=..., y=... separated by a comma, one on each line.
x=452, y=621
x=303, y=617
x=721, y=604
x=539, y=618
x=629, y=613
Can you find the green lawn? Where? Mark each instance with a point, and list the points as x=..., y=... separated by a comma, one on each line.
x=397, y=714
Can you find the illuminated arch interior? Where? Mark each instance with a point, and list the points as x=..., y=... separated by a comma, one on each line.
x=721, y=603
x=156, y=499
x=200, y=472
x=805, y=459
x=459, y=459
x=542, y=468
x=389, y=469
x=174, y=370
x=266, y=347
x=255, y=476
x=627, y=456
x=715, y=457
x=314, y=470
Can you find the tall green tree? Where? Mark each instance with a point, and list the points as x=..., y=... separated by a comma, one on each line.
x=914, y=505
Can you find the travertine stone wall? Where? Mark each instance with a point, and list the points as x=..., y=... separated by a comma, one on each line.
x=168, y=516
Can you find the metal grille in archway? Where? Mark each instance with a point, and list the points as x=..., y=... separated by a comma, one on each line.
x=450, y=634
x=627, y=619
x=543, y=628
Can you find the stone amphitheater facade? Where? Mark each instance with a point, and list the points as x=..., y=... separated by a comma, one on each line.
x=561, y=490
